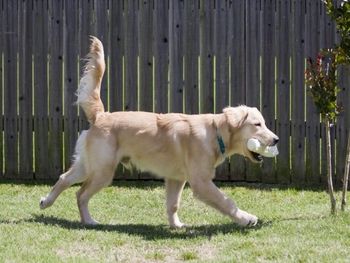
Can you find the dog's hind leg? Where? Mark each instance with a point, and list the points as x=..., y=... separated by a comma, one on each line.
x=173, y=194
x=95, y=183
x=76, y=174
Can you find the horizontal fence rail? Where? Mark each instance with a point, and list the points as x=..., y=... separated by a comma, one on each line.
x=192, y=56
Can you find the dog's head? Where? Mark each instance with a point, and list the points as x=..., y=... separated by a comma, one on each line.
x=246, y=123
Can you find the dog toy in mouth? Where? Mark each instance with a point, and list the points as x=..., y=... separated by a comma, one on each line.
x=254, y=145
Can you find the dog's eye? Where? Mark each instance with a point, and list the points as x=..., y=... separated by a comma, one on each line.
x=258, y=124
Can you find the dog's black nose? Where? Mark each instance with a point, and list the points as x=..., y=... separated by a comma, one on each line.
x=276, y=140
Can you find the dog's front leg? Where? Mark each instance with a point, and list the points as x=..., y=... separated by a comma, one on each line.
x=206, y=191
x=173, y=195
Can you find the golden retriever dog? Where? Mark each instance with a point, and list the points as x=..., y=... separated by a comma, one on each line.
x=177, y=147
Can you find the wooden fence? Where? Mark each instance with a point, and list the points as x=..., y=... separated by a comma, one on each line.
x=192, y=56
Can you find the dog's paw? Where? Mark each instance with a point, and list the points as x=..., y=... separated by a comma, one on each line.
x=243, y=218
x=178, y=225
x=90, y=222
x=44, y=203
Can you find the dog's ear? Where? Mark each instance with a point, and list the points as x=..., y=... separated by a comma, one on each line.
x=236, y=116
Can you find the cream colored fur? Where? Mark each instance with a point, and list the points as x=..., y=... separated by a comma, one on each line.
x=177, y=147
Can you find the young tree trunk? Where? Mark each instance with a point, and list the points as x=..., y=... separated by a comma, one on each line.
x=329, y=167
x=346, y=175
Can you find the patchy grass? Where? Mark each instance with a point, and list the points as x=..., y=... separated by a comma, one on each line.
x=189, y=256
x=295, y=226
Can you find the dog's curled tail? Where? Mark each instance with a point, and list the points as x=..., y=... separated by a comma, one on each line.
x=90, y=83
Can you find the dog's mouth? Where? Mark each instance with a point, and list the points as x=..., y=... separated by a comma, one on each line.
x=256, y=157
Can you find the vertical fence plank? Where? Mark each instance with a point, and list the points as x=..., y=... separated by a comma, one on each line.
x=252, y=53
x=2, y=37
x=146, y=58
x=221, y=56
x=191, y=40
x=175, y=56
x=10, y=88
x=116, y=53
x=329, y=30
x=102, y=32
x=312, y=115
x=298, y=93
x=323, y=27
x=253, y=74
x=206, y=56
x=25, y=131
x=70, y=52
x=238, y=93
x=41, y=123
x=161, y=55
x=86, y=28
x=283, y=89
x=237, y=49
x=268, y=53
x=222, y=92
x=131, y=53
x=55, y=88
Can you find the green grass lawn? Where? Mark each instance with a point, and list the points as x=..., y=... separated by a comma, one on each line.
x=295, y=226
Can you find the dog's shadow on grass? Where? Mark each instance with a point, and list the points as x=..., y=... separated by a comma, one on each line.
x=151, y=232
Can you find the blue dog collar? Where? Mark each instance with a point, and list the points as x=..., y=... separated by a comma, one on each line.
x=221, y=144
